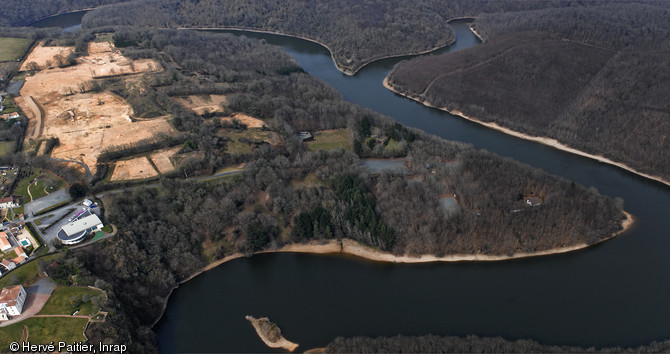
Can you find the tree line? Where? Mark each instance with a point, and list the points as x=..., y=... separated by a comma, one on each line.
x=470, y=344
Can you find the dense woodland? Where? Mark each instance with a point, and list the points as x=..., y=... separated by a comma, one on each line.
x=594, y=79
x=290, y=194
x=356, y=31
x=469, y=344
x=25, y=12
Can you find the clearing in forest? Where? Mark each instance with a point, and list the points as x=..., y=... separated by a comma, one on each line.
x=65, y=103
x=12, y=48
x=163, y=159
x=201, y=104
x=137, y=168
x=330, y=139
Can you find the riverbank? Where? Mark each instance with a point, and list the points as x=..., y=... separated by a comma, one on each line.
x=542, y=140
x=266, y=329
x=339, y=66
x=353, y=248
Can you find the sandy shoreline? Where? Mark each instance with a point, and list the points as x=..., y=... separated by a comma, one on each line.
x=353, y=248
x=338, y=66
x=542, y=140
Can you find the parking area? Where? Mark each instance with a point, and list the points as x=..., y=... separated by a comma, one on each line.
x=45, y=202
x=54, y=222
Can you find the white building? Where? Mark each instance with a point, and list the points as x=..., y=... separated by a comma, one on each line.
x=9, y=202
x=77, y=230
x=11, y=301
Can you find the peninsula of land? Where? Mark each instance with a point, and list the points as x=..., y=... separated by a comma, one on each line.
x=271, y=334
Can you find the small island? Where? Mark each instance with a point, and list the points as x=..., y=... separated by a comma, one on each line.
x=270, y=333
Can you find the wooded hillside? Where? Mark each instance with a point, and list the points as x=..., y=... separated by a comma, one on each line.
x=25, y=12
x=593, y=79
x=291, y=194
x=356, y=31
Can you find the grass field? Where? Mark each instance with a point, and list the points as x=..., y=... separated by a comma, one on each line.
x=330, y=139
x=60, y=302
x=43, y=330
x=6, y=147
x=38, y=190
x=25, y=273
x=13, y=48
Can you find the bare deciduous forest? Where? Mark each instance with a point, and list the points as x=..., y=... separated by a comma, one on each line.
x=167, y=233
x=593, y=79
x=357, y=32
x=469, y=344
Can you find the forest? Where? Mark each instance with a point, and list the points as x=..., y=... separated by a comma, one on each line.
x=469, y=344
x=24, y=12
x=593, y=79
x=168, y=233
x=357, y=32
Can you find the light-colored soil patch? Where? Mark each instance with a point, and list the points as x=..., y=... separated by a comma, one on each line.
x=44, y=57
x=138, y=168
x=86, y=123
x=203, y=103
x=162, y=159
x=85, y=141
x=247, y=120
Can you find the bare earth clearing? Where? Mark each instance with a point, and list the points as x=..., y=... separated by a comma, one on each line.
x=86, y=123
x=162, y=159
x=247, y=120
x=43, y=56
x=201, y=103
x=137, y=168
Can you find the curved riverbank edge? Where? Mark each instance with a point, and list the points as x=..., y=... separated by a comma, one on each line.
x=474, y=31
x=353, y=248
x=538, y=139
x=281, y=343
x=339, y=66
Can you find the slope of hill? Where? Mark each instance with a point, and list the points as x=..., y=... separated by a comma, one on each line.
x=598, y=92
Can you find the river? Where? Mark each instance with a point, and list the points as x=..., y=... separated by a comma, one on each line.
x=612, y=294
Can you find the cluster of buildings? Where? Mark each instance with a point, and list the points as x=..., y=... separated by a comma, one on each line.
x=9, y=203
x=12, y=299
x=13, y=239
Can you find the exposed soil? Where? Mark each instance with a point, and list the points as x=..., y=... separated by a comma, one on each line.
x=162, y=159
x=85, y=123
x=202, y=103
x=247, y=120
x=44, y=56
x=137, y=168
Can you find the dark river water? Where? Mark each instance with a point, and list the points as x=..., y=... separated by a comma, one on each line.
x=616, y=293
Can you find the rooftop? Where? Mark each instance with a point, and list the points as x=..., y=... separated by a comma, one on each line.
x=82, y=224
x=10, y=294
